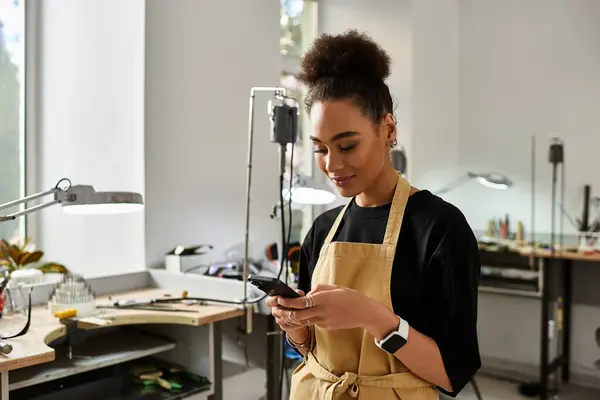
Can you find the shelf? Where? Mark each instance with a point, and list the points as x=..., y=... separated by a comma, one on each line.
x=513, y=292
x=96, y=352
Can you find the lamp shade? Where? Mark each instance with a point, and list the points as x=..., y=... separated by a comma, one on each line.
x=306, y=190
x=492, y=180
x=83, y=199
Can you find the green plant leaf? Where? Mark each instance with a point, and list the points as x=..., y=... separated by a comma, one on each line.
x=15, y=253
x=4, y=249
x=28, y=258
x=52, y=267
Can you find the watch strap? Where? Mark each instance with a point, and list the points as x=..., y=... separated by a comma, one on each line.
x=402, y=330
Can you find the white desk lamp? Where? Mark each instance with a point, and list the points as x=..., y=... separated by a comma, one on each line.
x=79, y=199
x=307, y=191
x=491, y=180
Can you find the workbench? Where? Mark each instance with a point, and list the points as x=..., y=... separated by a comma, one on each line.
x=556, y=284
x=32, y=360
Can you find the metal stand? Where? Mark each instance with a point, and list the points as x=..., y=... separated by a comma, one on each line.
x=284, y=130
x=274, y=358
x=216, y=349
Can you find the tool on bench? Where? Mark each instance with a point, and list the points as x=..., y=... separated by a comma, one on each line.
x=184, y=299
x=147, y=308
x=73, y=292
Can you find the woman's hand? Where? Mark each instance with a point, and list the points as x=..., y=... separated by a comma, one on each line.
x=333, y=307
x=282, y=314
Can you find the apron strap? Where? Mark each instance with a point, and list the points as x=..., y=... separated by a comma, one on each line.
x=336, y=225
x=392, y=230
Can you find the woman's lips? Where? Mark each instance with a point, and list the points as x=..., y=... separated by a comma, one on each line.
x=342, y=181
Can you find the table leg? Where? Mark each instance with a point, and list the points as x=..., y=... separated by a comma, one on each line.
x=273, y=359
x=547, y=268
x=4, y=385
x=566, y=344
x=216, y=354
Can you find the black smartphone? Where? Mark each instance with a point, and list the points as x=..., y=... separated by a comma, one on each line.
x=272, y=286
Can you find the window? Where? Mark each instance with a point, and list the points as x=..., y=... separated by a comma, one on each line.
x=298, y=31
x=12, y=110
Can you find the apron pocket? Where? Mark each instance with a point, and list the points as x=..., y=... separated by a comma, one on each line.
x=417, y=393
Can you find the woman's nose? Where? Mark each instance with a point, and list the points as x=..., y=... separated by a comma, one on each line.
x=333, y=162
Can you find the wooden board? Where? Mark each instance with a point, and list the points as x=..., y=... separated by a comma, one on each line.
x=564, y=255
x=203, y=314
x=32, y=348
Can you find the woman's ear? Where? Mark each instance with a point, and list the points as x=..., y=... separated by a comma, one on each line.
x=389, y=124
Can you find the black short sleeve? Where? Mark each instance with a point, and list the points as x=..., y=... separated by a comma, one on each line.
x=454, y=274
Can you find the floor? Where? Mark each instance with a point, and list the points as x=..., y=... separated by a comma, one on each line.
x=249, y=385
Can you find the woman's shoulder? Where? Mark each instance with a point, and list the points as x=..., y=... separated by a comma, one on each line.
x=428, y=208
x=433, y=221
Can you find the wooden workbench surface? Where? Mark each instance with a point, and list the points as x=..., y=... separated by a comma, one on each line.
x=32, y=348
x=562, y=255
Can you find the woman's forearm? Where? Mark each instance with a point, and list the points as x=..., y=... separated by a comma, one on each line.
x=420, y=354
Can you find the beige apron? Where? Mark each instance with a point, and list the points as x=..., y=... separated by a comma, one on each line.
x=346, y=364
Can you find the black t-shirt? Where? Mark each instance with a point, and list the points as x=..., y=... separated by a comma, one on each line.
x=434, y=276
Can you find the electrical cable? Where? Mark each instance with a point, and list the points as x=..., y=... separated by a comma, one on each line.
x=282, y=371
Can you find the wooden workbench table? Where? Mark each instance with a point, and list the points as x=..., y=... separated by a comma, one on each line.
x=562, y=255
x=33, y=348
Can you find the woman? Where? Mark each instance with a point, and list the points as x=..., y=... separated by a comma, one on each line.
x=389, y=313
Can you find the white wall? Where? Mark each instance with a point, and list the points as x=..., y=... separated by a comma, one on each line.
x=528, y=68
x=434, y=152
x=91, y=128
x=202, y=58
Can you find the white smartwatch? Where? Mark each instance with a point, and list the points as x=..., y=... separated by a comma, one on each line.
x=396, y=339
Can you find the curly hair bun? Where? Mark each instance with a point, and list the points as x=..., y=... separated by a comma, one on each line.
x=351, y=55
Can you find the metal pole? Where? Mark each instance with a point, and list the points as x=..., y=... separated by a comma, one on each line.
x=280, y=92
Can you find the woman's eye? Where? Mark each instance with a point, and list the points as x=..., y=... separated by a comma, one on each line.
x=321, y=151
x=347, y=148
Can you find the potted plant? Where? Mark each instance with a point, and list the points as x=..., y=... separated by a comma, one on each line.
x=23, y=263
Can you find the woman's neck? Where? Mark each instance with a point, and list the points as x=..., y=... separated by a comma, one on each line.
x=381, y=191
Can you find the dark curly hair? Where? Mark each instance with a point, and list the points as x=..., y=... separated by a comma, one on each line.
x=348, y=66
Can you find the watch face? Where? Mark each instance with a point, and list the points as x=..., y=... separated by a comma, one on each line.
x=393, y=344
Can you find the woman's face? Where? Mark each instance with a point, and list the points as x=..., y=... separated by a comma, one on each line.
x=349, y=148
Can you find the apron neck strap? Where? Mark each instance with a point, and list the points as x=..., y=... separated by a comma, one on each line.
x=336, y=225
x=392, y=230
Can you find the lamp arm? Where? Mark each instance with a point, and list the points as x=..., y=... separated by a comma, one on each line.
x=454, y=184
x=28, y=198
x=60, y=194
x=29, y=210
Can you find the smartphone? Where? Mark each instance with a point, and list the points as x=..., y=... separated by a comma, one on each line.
x=272, y=286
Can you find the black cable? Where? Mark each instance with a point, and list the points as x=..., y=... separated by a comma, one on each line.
x=288, y=240
x=282, y=266
x=289, y=235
